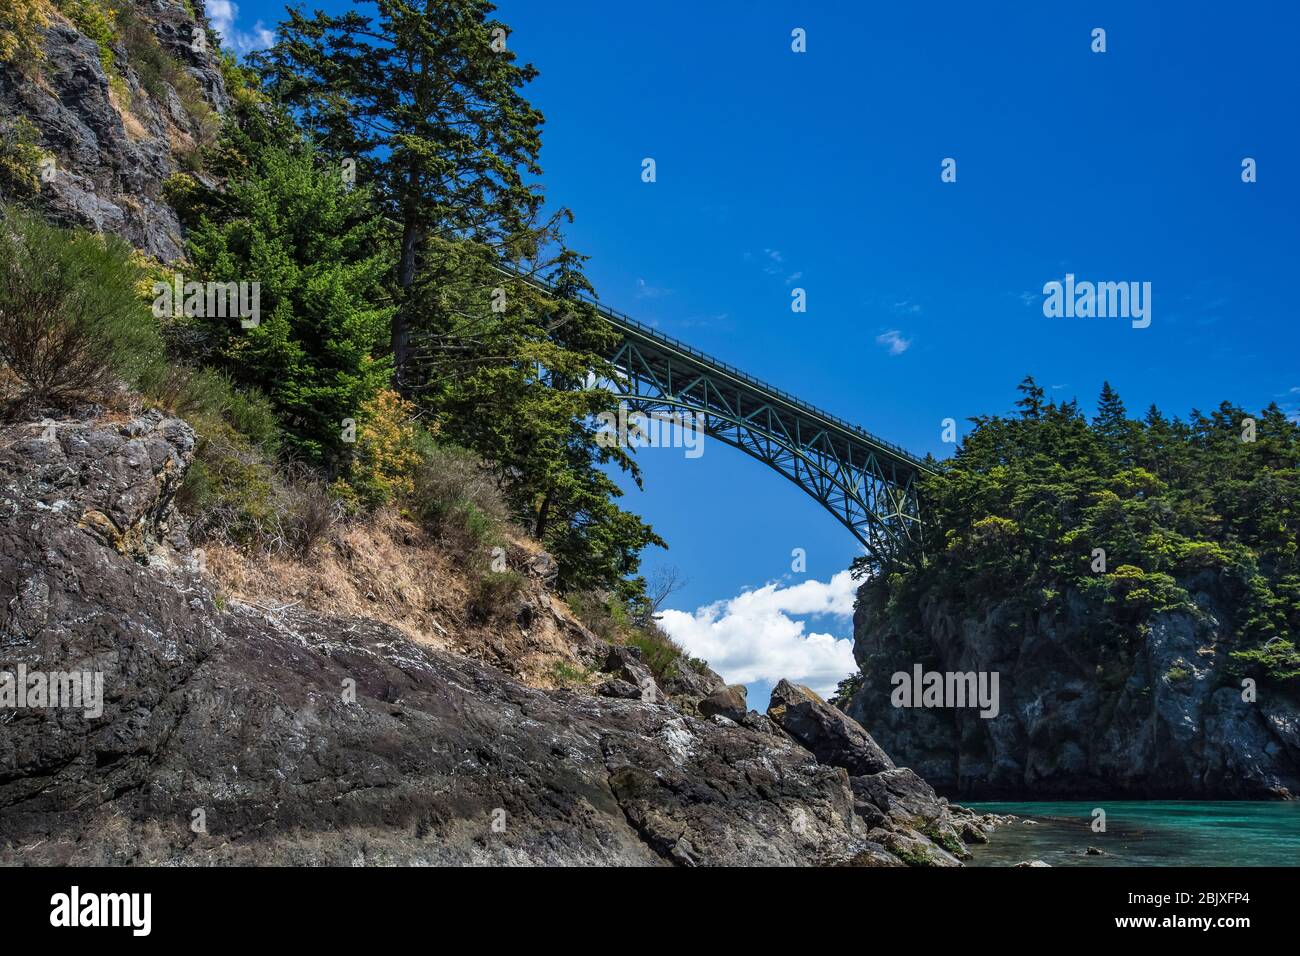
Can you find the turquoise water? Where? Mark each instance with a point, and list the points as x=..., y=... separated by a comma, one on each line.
x=1146, y=833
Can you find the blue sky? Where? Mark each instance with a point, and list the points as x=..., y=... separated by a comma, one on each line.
x=821, y=170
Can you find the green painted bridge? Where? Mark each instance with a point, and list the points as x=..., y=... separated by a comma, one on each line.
x=867, y=483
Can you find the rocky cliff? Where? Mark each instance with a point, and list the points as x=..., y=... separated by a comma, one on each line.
x=230, y=733
x=115, y=112
x=1167, y=717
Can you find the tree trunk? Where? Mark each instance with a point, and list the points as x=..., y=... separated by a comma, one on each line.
x=400, y=338
x=543, y=516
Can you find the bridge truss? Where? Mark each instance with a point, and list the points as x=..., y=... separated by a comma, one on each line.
x=868, y=484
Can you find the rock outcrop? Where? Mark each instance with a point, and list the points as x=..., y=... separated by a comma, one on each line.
x=1165, y=720
x=228, y=734
x=118, y=122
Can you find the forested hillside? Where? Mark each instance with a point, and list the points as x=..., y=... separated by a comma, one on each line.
x=1124, y=575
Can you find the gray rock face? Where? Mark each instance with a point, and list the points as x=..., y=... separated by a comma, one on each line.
x=902, y=811
x=114, y=151
x=1166, y=719
x=228, y=735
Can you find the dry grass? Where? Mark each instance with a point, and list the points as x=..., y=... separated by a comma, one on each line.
x=388, y=569
x=381, y=569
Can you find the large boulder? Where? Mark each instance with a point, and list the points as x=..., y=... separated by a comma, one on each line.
x=730, y=702
x=833, y=737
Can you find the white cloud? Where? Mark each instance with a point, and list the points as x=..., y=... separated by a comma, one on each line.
x=224, y=14
x=645, y=290
x=755, y=636
x=894, y=341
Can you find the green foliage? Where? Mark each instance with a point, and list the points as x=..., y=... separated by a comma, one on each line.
x=512, y=386
x=231, y=490
x=21, y=23
x=71, y=320
x=242, y=83
x=612, y=619
x=456, y=497
x=566, y=674
x=1184, y=511
x=846, y=690
x=661, y=654
x=317, y=251
x=1277, y=660
x=395, y=275
x=433, y=114
x=20, y=159
x=98, y=21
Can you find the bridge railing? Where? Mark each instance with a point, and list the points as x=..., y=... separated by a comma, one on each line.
x=622, y=317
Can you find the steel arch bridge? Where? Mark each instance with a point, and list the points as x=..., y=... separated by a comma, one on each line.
x=869, y=485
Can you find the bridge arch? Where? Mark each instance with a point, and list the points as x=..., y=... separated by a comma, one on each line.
x=870, y=485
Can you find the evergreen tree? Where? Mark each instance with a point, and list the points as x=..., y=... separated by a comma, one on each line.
x=1031, y=400
x=1028, y=502
x=1112, y=424
x=319, y=254
x=425, y=97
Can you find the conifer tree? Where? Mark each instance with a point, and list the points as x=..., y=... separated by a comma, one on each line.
x=1031, y=400
x=425, y=98
x=1112, y=424
x=318, y=253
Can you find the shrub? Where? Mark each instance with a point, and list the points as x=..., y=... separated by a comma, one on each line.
x=567, y=675
x=309, y=515
x=70, y=318
x=608, y=618
x=1277, y=660
x=21, y=22
x=493, y=594
x=661, y=653
x=386, y=453
x=455, y=496
x=231, y=493
x=197, y=394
